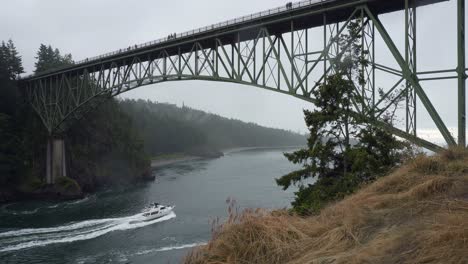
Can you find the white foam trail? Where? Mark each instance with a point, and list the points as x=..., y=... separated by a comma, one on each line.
x=114, y=224
x=26, y=212
x=80, y=201
x=37, y=231
x=16, y=240
x=169, y=248
x=181, y=247
x=13, y=212
x=29, y=212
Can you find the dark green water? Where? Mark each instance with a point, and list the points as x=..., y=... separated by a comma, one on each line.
x=102, y=228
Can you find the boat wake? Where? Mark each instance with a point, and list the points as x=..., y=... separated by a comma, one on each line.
x=6, y=208
x=89, y=229
x=168, y=248
x=24, y=212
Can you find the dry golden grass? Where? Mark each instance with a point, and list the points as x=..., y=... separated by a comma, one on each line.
x=418, y=214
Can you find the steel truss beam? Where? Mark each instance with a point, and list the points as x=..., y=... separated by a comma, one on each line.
x=461, y=73
x=410, y=58
x=411, y=78
x=282, y=63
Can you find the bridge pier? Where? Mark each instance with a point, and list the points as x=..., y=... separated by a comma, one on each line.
x=56, y=163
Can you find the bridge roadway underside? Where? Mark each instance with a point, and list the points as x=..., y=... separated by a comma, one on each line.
x=277, y=24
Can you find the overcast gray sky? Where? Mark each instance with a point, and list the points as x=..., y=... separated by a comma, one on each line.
x=87, y=28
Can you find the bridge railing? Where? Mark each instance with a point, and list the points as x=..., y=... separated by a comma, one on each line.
x=247, y=18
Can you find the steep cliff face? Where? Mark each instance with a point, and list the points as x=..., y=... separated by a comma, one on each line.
x=417, y=214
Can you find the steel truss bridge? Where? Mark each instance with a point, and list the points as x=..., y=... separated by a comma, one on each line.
x=272, y=50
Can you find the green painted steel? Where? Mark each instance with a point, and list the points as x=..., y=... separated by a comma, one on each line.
x=272, y=52
x=461, y=73
x=412, y=79
x=410, y=58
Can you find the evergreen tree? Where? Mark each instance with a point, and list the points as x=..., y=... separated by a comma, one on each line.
x=49, y=58
x=4, y=73
x=10, y=68
x=10, y=156
x=11, y=65
x=343, y=150
x=14, y=60
x=43, y=59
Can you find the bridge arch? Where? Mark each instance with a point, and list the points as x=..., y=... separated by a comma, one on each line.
x=270, y=50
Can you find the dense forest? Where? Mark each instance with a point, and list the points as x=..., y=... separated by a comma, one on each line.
x=166, y=128
x=113, y=144
x=102, y=148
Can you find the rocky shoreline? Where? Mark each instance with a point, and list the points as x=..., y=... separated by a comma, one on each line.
x=68, y=189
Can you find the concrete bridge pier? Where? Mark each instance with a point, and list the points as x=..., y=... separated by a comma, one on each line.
x=56, y=163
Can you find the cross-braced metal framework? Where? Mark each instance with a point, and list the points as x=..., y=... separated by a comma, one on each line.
x=278, y=54
x=410, y=57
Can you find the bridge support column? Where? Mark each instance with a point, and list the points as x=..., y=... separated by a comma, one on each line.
x=461, y=71
x=56, y=163
x=410, y=58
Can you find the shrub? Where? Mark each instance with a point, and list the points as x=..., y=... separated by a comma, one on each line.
x=67, y=184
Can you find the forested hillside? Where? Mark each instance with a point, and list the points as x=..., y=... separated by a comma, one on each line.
x=101, y=149
x=166, y=128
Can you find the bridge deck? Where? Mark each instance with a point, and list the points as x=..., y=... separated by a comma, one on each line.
x=305, y=14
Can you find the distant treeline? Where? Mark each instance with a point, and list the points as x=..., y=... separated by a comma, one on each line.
x=166, y=128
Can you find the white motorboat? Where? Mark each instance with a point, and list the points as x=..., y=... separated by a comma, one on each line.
x=155, y=211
